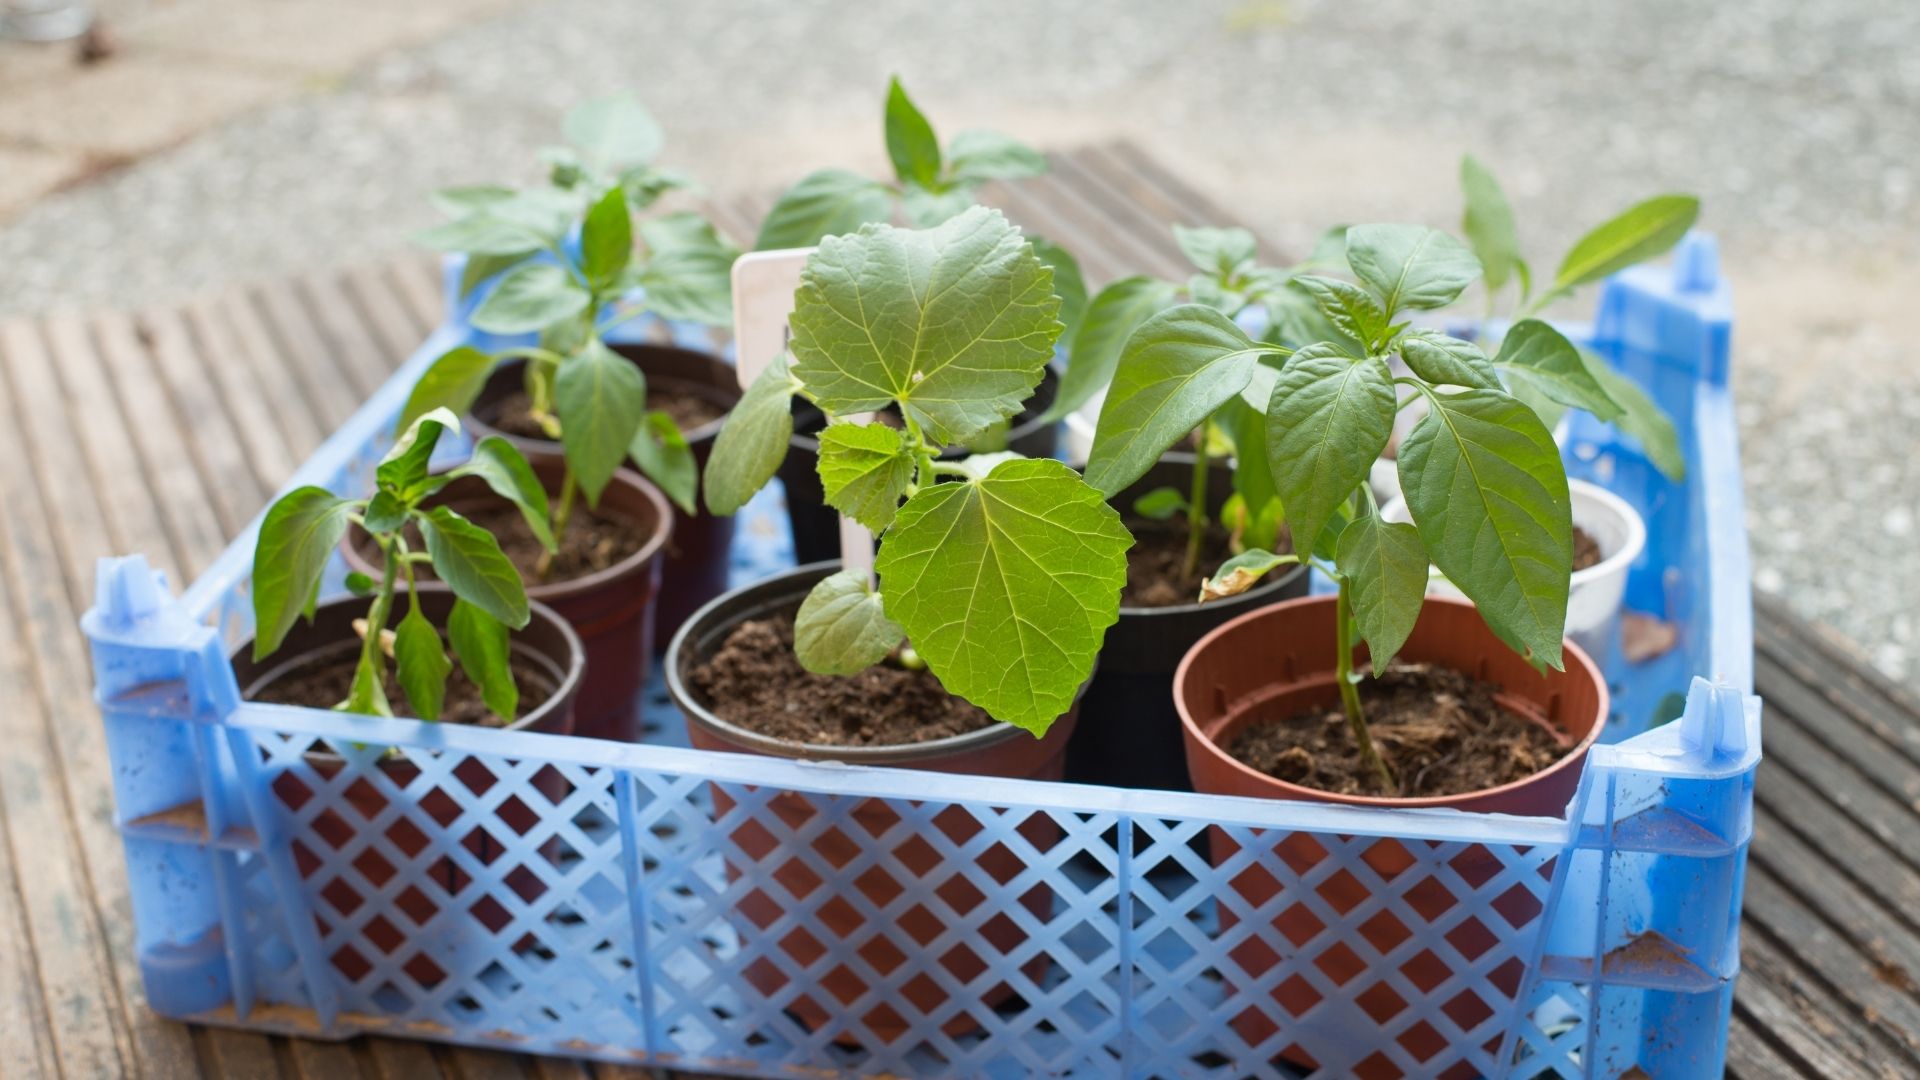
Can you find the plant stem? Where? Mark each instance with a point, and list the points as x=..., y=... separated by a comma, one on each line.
x=1197, y=499
x=382, y=608
x=562, y=514
x=1350, y=692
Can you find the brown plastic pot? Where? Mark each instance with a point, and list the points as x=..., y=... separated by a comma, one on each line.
x=1001, y=750
x=1132, y=737
x=612, y=610
x=547, y=643
x=1279, y=661
x=699, y=550
x=816, y=526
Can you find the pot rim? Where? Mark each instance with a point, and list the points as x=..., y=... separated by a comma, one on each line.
x=811, y=445
x=711, y=427
x=1574, y=757
x=565, y=690
x=683, y=697
x=571, y=587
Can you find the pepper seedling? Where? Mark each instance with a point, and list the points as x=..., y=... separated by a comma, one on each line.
x=304, y=527
x=582, y=393
x=1004, y=572
x=1228, y=279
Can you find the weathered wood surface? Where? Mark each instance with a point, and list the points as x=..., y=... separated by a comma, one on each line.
x=164, y=431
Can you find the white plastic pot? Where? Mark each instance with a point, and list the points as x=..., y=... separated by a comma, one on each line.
x=1593, y=602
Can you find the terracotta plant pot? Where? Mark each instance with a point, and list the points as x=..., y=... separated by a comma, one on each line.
x=816, y=526
x=1279, y=661
x=699, y=550
x=612, y=610
x=548, y=644
x=1132, y=737
x=1000, y=750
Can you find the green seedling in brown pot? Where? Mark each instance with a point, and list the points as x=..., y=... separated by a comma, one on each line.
x=582, y=393
x=303, y=529
x=1004, y=572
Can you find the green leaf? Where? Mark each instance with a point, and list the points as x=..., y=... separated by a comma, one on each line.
x=1329, y=418
x=1411, y=266
x=1447, y=361
x=484, y=232
x=956, y=323
x=1160, y=504
x=1112, y=316
x=500, y=465
x=480, y=642
x=297, y=537
x=1642, y=232
x=1068, y=284
x=1006, y=585
x=1643, y=420
x=1329, y=250
x=1351, y=309
x=842, y=627
x=864, y=471
x=662, y=453
x=470, y=561
x=606, y=239
x=910, y=140
x=824, y=203
x=1247, y=427
x=1296, y=321
x=360, y=584
x=1488, y=222
x=1539, y=358
x=1218, y=252
x=1484, y=483
x=1242, y=572
x=1177, y=368
x=529, y=297
x=463, y=199
x=479, y=269
x=384, y=514
x=927, y=207
x=1385, y=565
x=451, y=382
x=420, y=660
x=404, y=468
x=602, y=400
x=689, y=270
x=644, y=184
x=368, y=696
x=753, y=441
x=977, y=156
x=614, y=131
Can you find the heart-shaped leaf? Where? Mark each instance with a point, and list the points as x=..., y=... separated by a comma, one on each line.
x=753, y=442
x=1411, y=266
x=842, y=627
x=864, y=471
x=824, y=203
x=1176, y=369
x=1484, y=483
x=1006, y=585
x=1385, y=565
x=602, y=400
x=955, y=323
x=297, y=537
x=1328, y=420
x=470, y=561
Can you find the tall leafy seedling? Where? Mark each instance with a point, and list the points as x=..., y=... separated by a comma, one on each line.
x=1003, y=572
x=1538, y=363
x=1228, y=279
x=303, y=528
x=569, y=271
x=1482, y=475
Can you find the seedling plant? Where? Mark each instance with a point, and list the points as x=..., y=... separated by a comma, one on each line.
x=1482, y=475
x=568, y=271
x=1004, y=572
x=304, y=527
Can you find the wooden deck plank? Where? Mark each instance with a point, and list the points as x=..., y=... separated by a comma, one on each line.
x=316, y=1060
x=355, y=350
x=234, y=487
x=256, y=421
x=416, y=283
x=297, y=348
x=26, y=1037
x=376, y=306
x=235, y=328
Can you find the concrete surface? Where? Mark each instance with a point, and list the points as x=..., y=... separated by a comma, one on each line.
x=1794, y=122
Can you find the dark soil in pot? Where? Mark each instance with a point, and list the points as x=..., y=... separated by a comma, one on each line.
x=548, y=662
x=1131, y=737
x=604, y=581
x=816, y=526
x=325, y=680
x=697, y=389
x=1442, y=732
x=1586, y=550
x=710, y=665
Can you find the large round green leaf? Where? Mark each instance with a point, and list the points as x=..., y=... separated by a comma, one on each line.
x=864, y=470
x=842, y=627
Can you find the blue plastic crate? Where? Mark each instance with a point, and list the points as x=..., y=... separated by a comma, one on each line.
x=576, y=897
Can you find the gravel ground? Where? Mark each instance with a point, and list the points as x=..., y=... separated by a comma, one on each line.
x=1792, y=120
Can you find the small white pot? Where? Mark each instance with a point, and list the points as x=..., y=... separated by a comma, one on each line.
x=1593, y=602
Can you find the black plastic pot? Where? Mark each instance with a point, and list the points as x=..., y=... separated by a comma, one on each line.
x=816, y=526
x=1130, y=734
x=699, y=550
